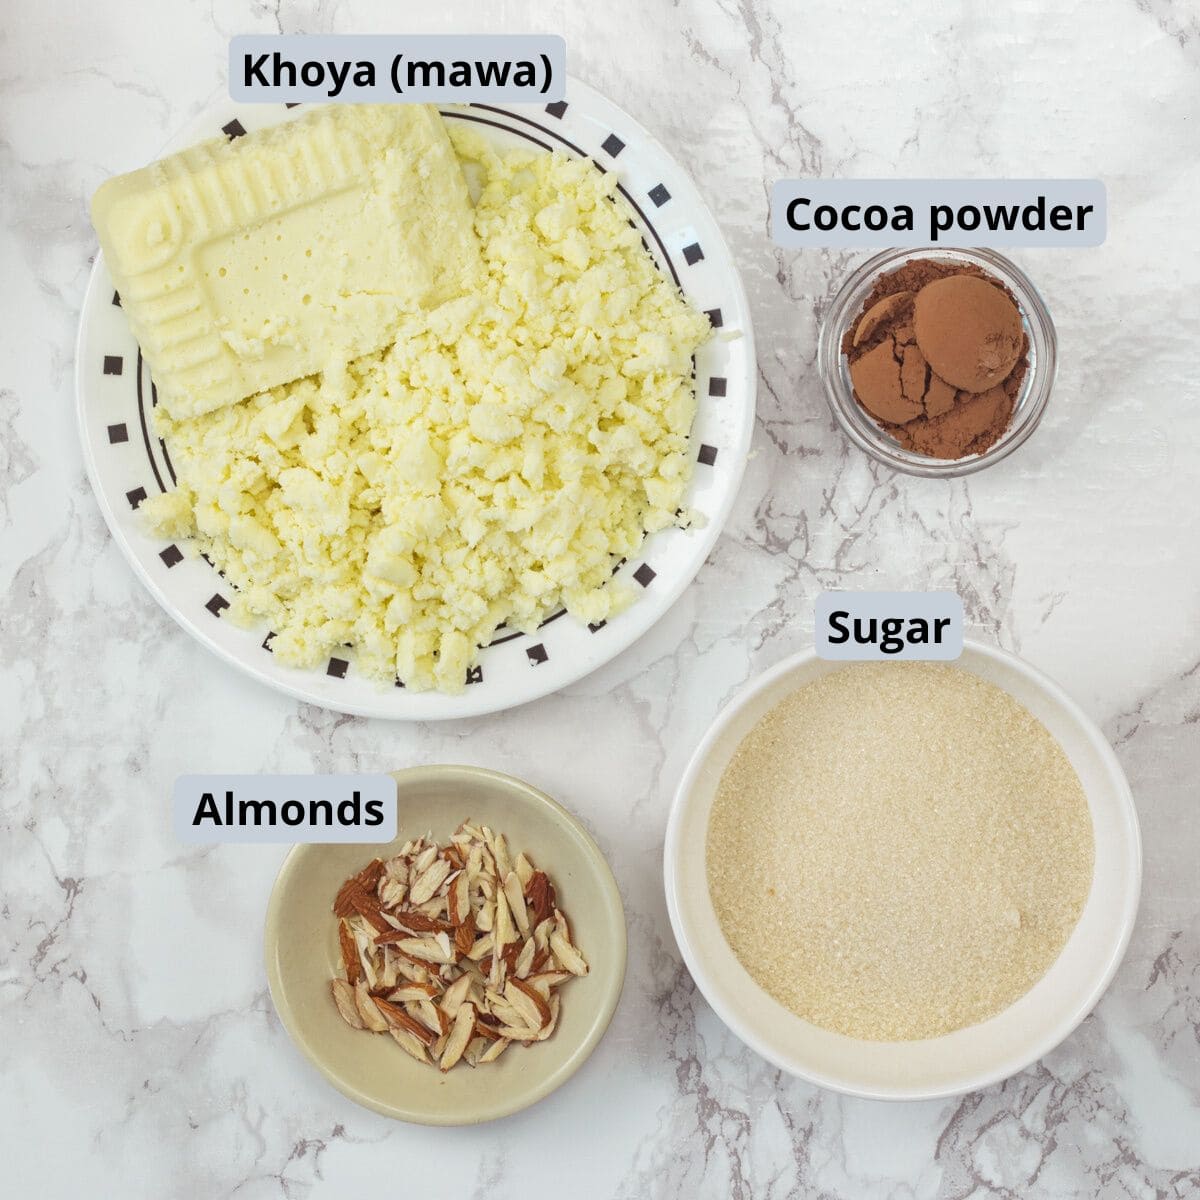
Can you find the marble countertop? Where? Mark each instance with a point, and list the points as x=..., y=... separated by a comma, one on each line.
x=139, y=1049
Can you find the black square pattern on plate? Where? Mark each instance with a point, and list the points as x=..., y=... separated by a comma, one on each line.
x=557, y=108
x=292, y=104
x=612, y=145
x=474, y=675
x=659, y=195
x=233, y=129
x=337, y=668
x=116, y=299
x=118, y=434
x=536, y=655
x=596, y=627
x=114, y=364
x=216, y=604
x=714, y=317
x=171, y=555
x=135, y=497
x=645, y=574
x=717, y=385
x=707, y=455
x=692, y=254
x=266, y=642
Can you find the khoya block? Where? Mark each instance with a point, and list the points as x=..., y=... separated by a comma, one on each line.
x=246, y=264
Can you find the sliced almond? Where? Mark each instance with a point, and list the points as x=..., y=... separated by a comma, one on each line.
x=350, y=963
x=464, y=936
x=546, y=981
x=443, y=1019
x=429, y=881
x=414, y=972
x=387, y=976
x=524, y=869
x=343, y=997
x=568, y=957
x=422, y=862
x=540, y=897
x=368, y=908
x=342, y=905
x=552, y=1024
x=460, y=1035
x=534, y=1010
x=498, y=972
x=499, y=849
x=435, y=909
x=524, y=963
x=515, y=895
x=454, y=996
x=366, y=959
x=474, y=1051
x=504, y=928
x=426, y=1014
x=415, y=921
x=505, y=1013
x=414, y=992
x=482, y=948
x=406, y=1021
x=485, y=1030
x=494, y=1051
x=409, y=1043
x=367, y=1009
x=430, y=949
x=519, y=1033
x=474, y=863
x=393, y=1014
x=458, y=900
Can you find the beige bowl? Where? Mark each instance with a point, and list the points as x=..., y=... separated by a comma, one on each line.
x=302, y=953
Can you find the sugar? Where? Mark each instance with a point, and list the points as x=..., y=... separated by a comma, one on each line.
x=899, y=850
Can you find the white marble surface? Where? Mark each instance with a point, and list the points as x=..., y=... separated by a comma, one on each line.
x=139, y=1052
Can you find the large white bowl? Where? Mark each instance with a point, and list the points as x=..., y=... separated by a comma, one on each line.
x=126, y=462
x=967, y=1059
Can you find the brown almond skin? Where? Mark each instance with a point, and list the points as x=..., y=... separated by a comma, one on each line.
x=968, y=330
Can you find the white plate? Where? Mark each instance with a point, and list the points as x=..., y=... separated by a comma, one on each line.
x=126, y=462
x=967, y=1059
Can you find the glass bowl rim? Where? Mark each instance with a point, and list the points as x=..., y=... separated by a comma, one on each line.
x=861, y=428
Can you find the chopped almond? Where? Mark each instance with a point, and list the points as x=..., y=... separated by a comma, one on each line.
x=456, y=950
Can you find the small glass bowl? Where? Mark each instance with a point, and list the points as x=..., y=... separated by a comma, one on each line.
x=861, y=428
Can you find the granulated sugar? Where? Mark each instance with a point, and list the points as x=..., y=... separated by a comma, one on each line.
x=898, y=850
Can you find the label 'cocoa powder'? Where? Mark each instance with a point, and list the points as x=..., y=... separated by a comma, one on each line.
x=938, y=356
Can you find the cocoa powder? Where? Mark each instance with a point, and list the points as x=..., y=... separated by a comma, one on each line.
x=937, y=357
